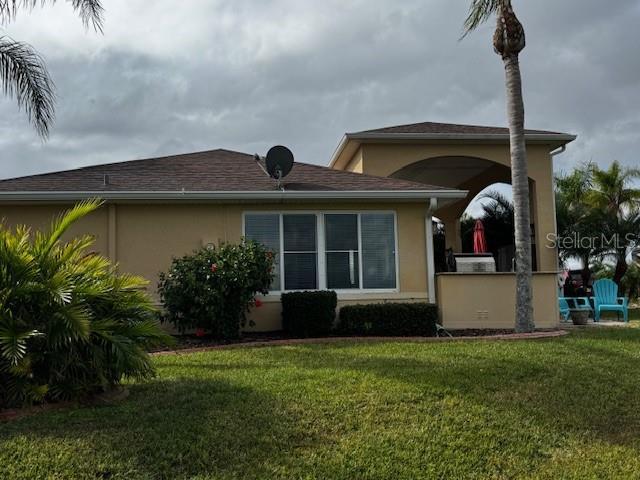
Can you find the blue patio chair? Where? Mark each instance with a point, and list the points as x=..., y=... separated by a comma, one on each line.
x=605, y=298
x=567, y=304
x=565, y=311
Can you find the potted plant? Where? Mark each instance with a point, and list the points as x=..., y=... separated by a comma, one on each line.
x=580, y=316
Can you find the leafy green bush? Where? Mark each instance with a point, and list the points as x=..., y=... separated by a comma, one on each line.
x=389, y=319
x=308, y=314
x=213, y=288
x=69, y=325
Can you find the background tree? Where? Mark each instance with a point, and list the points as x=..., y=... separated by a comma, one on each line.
x=497, y=219
x=577, y=220
x=508, y=42
x=614, y=195
x=23, y=73
x=631, y=282
x=599, y=211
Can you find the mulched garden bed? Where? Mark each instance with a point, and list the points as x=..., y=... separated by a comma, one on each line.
x=99, y=399
x=192, y=344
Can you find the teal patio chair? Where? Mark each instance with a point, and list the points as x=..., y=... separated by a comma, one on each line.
x=566, y=304
x=565, y=310
x=605, y=298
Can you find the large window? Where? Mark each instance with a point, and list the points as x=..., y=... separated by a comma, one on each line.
x=338, y=251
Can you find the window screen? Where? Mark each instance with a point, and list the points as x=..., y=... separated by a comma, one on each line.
x=378, y=250
x=265, y=229
x=342, y=255
x=300, y=252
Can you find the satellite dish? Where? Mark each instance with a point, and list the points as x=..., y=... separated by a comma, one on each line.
x=279, y=162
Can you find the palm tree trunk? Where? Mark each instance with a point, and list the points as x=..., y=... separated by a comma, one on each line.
x=621, y=268
x=586, y=271
x=520, y=185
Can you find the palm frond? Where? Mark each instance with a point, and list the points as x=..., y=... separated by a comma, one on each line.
x=90, y=11
x=24, y=76
x=498, y=202
x=20, y=390
x=61, y=224
x=479, y=12
x=71, y=324
x=13, y=342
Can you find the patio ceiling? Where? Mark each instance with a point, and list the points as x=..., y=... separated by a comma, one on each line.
x=454, y=172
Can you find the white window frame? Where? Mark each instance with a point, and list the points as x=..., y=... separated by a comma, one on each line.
x=321, y=267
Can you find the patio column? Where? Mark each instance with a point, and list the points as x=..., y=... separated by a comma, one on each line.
x=452, y=231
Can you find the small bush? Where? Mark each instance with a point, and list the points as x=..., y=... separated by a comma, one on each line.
x=309, y=314
x=213, y=288
x=69, y=325
x=389, y=319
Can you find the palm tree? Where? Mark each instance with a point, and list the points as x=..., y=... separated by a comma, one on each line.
x=508, y=42
x=575, y=218
x=614, y=196
x=23, y=73
x=70, y=325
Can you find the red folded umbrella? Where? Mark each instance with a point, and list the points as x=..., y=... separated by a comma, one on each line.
x=479, y=241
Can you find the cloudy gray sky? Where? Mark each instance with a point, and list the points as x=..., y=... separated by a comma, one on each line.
x=171, y=76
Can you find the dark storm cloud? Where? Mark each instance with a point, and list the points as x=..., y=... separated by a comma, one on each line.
x=245, y=75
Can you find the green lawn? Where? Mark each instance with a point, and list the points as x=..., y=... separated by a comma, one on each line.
x=634, y=314
x=561, y=408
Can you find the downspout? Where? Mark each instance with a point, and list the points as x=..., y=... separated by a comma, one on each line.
x=428, y=232
x=556, y=152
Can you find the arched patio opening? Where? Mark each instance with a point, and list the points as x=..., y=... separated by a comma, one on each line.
x=477, y=176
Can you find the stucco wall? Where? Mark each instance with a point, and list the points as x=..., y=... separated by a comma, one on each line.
x=356, y=162
x=39, y=217
x=143, y=238
x=488, y=300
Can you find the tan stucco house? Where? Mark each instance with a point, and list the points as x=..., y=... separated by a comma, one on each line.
x=361, y=226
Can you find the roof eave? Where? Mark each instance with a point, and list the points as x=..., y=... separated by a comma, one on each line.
x=554, y=140
x=239, y=196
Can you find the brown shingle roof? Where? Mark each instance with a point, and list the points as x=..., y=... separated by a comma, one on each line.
x=449, y=128
x=214, y=170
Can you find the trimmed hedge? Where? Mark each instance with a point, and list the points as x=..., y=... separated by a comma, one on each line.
x=389, y=319
x=309, y=314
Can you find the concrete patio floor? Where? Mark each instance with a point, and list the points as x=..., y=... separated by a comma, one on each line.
x=592, y=324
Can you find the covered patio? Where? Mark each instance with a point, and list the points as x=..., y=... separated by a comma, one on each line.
x=468, y=158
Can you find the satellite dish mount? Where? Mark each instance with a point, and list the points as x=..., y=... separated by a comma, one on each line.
x=279, y=162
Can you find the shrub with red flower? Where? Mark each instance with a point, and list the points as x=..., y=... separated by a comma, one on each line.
x=212, y=289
